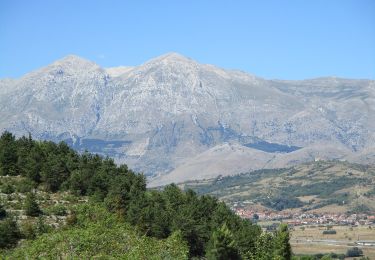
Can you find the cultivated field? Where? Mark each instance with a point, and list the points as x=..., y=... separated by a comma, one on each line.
x=311, y=240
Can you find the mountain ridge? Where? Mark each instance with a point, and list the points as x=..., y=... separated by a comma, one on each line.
x=171, y=109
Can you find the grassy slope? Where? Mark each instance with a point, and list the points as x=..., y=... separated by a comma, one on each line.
x=317, y=186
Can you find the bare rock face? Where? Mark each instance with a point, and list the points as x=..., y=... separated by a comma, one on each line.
x=173, y=112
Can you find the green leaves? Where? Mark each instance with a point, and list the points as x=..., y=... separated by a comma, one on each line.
x=167, y=224
x=8, y=155
x=222, y=245
x=31, y=206
x=9, y=233
x=99, y=233
x=283, y=249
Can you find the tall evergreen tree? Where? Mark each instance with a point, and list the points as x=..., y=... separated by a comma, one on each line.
x=8, y=154
x=264, y=248
x=283, y=249
x=34, y=162
x=24, y=144
x=54, y=172
x=31, y=206
x=222, y=245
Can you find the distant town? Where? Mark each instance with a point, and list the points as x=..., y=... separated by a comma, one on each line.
x=300, y=218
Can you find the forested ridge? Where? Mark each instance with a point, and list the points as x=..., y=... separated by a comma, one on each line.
x=122, y=218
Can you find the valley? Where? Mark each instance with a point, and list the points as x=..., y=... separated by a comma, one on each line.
x=311, y=198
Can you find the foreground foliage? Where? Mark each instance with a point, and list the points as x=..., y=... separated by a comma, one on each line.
x=126, y=220
x=98, y=233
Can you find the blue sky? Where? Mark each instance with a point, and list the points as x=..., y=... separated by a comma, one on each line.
x=273, y=39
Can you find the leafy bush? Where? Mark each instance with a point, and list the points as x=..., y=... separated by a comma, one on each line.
x=99, y=234
x=329, y=232
x=28, y=230
x=354, y=252
x=41, y=227
x=9, y=233
x=25, y=185
x=31, y=206
x=58, y=210
x=7, y=188
x=319, y=256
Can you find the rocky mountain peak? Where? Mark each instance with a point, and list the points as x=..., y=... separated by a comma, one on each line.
x=171, y=62
x=73, y=59
x=172, y=57
x=74, y=63
x=157, y=115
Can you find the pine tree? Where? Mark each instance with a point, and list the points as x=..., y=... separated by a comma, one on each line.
x=54, y=172
x=33, y=163
x=222, y=245
x=8, y=154
x=31, y=206
x=264, y=248
x=283, y=249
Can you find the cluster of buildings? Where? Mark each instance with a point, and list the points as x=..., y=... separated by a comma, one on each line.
x=300, y=218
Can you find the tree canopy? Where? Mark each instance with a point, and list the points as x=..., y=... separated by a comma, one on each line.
x=206, y=225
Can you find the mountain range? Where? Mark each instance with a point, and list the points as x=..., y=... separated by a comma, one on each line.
x=176, y=119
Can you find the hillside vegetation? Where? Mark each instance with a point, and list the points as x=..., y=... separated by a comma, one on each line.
x=57, y=203
x=315, y=186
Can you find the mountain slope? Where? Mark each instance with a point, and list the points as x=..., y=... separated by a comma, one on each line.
x=159, y=115
x=318, y=187
x=232, y=159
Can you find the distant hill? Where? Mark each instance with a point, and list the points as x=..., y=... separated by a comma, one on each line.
x=170, y=111
x=323, y=186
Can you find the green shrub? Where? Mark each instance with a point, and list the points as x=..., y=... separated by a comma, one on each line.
x=58, y=210
x=100, y=234
x=7, y=188
x=71, y=219
x=28, y=230
x=25, y=186
x=31, y=206
x=9, y=233
x=41, y=227
x=329, y=232
x=354, y=252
